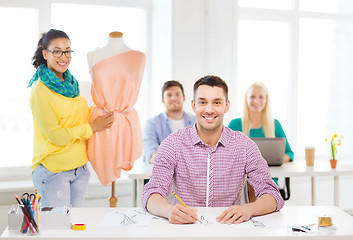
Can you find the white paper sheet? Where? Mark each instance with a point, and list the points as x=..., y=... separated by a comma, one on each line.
x=207, y=217
x=127, y=218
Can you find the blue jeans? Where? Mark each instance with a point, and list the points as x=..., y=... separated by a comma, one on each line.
x=66, y=188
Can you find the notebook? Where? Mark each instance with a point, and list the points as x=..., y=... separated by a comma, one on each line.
x=272, y=149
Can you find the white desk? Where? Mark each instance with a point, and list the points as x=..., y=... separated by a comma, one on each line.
x=139, y=173
x=320, y=168
x=143, y=171
x=276, y=226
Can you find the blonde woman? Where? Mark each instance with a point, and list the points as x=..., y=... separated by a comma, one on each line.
x=257, y=120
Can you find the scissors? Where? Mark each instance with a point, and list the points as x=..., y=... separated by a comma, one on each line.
x=28, y=201
x=29, y=198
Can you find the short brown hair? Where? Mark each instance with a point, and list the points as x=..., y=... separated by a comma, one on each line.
x=172, y=83
x=212, y=81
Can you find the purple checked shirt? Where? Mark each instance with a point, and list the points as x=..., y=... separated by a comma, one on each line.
x=209, y=177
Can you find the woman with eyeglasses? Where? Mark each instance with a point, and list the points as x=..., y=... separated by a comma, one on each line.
x=61, y=125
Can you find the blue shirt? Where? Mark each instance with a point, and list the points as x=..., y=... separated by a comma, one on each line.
x=157, y=129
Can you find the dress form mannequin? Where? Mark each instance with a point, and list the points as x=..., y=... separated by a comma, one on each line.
x=116, y=72
x=115, y=45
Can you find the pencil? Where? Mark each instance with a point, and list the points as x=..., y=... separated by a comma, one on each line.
x=24, y=213
x=37, y=207
x=27, y=206
x=182, y=202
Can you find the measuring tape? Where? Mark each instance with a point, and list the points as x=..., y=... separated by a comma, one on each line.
x=78, y=227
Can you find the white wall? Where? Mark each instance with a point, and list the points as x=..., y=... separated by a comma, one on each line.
x=189, y=45
x=203, y=44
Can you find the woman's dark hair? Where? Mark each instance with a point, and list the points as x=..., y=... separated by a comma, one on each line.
x=43, y=44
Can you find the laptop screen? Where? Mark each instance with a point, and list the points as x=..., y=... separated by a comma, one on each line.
x=272, y=149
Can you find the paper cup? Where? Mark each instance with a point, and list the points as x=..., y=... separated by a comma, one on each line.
x=309, y=156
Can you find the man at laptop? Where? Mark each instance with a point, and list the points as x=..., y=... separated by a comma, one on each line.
x=207, y=165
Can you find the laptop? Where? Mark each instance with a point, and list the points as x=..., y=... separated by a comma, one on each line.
x=272, y=149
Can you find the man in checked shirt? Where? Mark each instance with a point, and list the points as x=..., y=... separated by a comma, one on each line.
x=207, y=165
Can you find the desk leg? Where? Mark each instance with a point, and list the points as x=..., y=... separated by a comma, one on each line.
x=312, y=191
x=139, y=189
x=336, y=191
x=134, y=192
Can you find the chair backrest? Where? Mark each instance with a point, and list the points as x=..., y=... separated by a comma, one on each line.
x=249, y=192
x=285, y=192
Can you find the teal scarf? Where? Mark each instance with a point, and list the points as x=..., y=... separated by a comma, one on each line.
x=67, y=88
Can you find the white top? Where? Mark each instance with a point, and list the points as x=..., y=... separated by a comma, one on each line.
x=114, y=46
x=175, y=125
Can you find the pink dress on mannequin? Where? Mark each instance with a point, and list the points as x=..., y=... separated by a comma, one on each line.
x=116, y=83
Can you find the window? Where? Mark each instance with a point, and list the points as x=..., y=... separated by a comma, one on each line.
x=263, y=56
x=271, y=4
x=315, y=67
x=17, y=41
x=302, y=51
x=327, y=6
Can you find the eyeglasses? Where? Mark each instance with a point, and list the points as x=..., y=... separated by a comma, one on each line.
x=59, y=53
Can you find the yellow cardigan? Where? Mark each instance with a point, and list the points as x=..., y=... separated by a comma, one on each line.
x=60, y=129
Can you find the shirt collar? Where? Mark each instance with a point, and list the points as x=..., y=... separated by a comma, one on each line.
x=187, y=119
x=195, y=138
x=224, y=137
x=164, y=114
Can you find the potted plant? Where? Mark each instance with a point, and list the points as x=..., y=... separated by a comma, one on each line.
x=335, y=142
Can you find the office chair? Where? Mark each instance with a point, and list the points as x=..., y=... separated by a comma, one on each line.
x=285, y=192
x=249, y=193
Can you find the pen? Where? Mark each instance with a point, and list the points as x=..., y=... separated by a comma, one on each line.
x=182, y=202
x=27, y=206
x=24, y=213
x=299, y=229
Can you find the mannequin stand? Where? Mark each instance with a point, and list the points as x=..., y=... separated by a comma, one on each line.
x=113, y=199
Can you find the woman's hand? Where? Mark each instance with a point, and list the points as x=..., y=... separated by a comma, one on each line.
x=102, y=122
x=286, y=158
